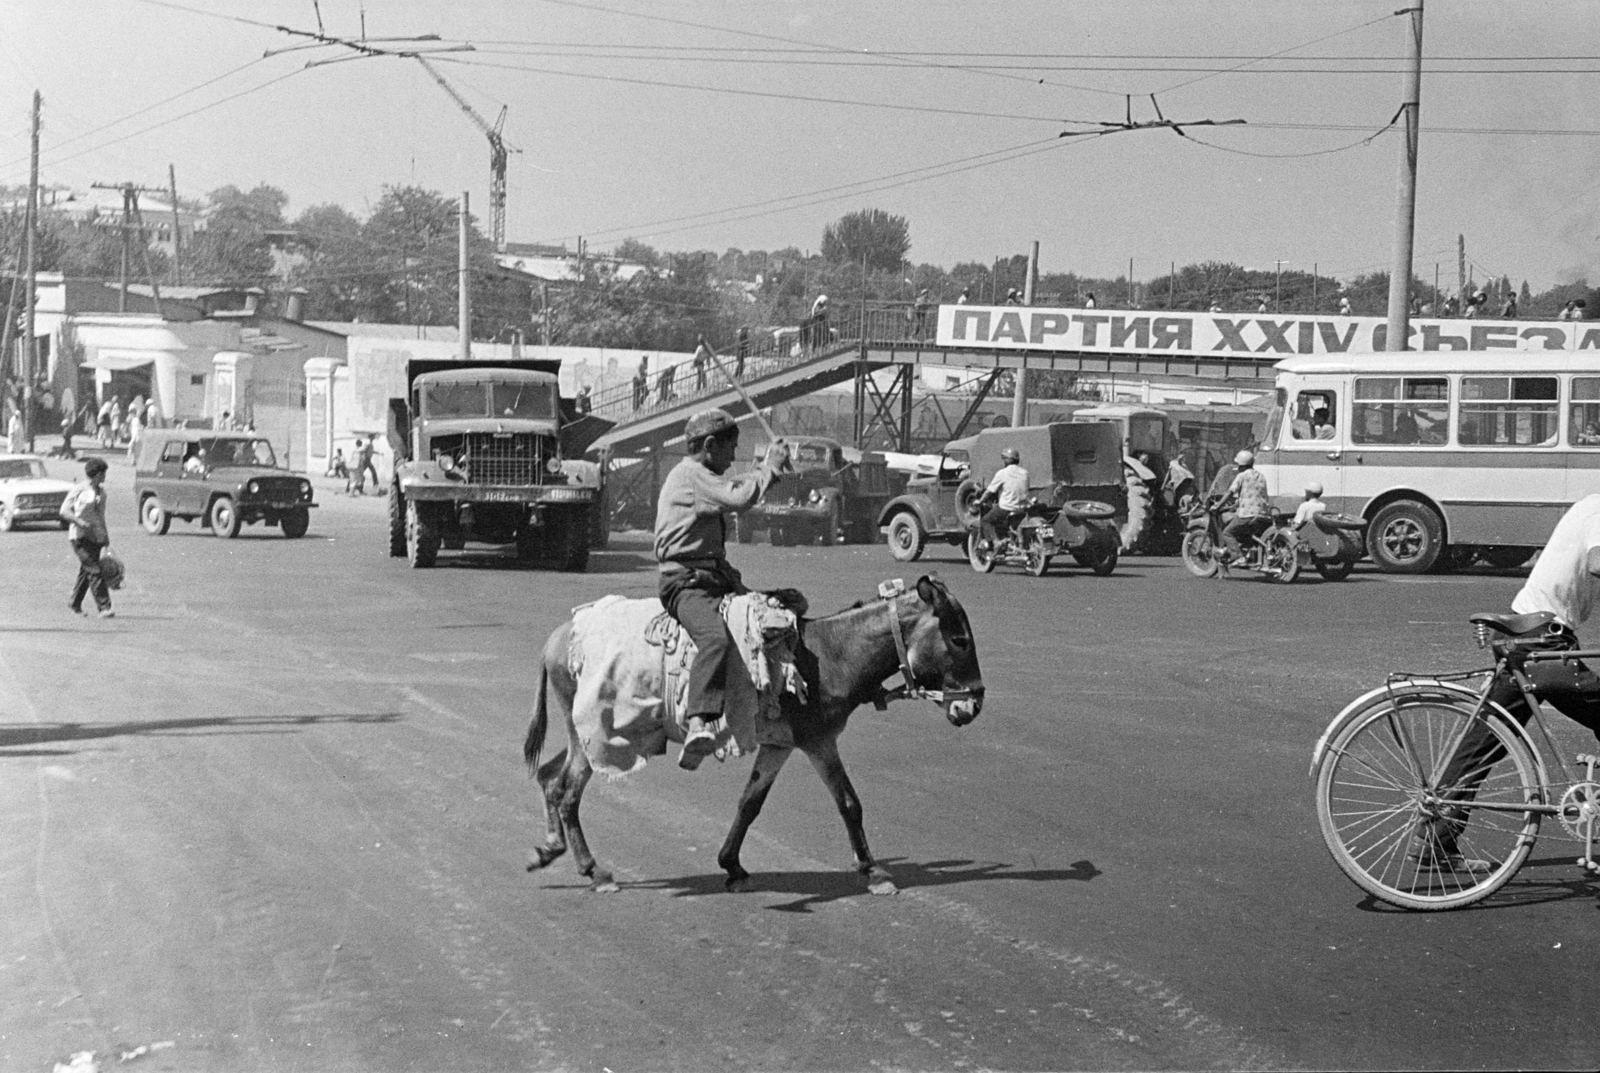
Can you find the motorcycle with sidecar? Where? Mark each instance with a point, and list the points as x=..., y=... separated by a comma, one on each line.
x=1329, y=543
x=1037, y=537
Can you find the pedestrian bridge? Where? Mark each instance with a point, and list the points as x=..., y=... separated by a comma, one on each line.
x=778, y=368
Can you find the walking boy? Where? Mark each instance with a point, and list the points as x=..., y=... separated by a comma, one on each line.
x=85, y=508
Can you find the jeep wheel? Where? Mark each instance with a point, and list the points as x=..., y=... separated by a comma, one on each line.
x=397, y=522
x=153, y=517
x=295, y=522
x=422, y=535
x=225, y=519
x=906, y=537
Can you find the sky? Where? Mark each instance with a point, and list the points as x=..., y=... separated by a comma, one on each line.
x=710, y=124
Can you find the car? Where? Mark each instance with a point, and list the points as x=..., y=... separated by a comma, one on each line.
x=28, y=493
x=1074, y=466
x=223, y=480
x=833, y=496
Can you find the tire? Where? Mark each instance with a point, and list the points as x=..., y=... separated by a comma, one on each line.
x=8, y=521
x=1371, y=803
x=981, y=560
x=1034, y=560
x=1199, y=554
x=1281, y=558
x=422, y=535
x=907, y=538
x=1081, y=510
x=1103, y=566
x=1335, y=569
x=967, y=494
x=295, y=522
x=153, y=516
x=1405, y=538
x=397, y=522
x=225, y=520
x=1139, y=514
x=1506, y=556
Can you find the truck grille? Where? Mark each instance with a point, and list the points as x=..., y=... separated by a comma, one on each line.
x=516, y=458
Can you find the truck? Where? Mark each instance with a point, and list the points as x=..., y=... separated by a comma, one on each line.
x=488, y=451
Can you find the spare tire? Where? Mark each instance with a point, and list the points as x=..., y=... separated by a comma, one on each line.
x=1085, y=510
x=1329, y=523
x=967, y=494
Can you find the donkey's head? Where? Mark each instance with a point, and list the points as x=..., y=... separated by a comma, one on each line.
x=942, y=654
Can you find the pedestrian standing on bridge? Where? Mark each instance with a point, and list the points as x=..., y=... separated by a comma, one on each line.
x=701, y=360
x=641, y=382
x=964, y=298
x=582, y=403
x=742, y=352
x=664, y=388
x=819, y=322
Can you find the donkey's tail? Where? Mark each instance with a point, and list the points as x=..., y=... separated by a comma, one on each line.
x=534, y=743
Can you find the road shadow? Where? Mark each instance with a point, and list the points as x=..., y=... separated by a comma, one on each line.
x=819, y=888
x=1539, y=881
x=34, y=734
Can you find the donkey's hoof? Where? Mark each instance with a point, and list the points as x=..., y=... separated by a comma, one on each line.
x=739, y=884
x=543, y=856
x=604, y=883
x=880, y=883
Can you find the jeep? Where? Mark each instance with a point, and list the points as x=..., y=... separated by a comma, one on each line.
x=223, y=480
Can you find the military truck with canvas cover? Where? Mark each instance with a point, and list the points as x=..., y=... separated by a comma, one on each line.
x=488, y=451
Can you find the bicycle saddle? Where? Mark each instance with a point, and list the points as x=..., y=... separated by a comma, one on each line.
x=1513, y=625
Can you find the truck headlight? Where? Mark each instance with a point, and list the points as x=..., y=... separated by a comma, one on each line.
x=446, y=463
x=553, y=465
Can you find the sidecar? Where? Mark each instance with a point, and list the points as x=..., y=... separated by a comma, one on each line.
x=1331, y=542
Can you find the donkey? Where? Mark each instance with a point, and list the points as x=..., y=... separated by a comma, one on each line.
x=845, y=658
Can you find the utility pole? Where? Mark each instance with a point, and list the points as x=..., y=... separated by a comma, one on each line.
x=544, y=302
x=131, y=218
x=30, y=348
x=177, y=232
x=1461, y=268
x=464, y=312
x=1019, y=399
x=1406, y=213
x=1277, y=287
x=1130, y=283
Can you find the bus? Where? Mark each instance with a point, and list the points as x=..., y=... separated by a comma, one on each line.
x=1450, y=456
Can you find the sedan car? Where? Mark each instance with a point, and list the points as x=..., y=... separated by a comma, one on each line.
x=28, y=493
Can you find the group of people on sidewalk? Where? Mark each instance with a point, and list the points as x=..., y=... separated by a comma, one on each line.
x=355, y=471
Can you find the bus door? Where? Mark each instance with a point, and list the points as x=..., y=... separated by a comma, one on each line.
x=1310, y=446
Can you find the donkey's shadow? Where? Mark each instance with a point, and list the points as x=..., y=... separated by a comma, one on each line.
x=818, y=888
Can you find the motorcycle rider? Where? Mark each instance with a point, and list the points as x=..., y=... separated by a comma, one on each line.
x=1009, y=489
x=1252, y=507
x=691, y=550
x=1312, y=505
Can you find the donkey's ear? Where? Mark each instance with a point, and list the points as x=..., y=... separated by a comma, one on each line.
x=931, y=589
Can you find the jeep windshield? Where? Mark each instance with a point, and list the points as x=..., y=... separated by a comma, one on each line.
x=239, y=453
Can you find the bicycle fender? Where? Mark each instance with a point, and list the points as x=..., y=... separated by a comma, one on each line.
x=1417, y=686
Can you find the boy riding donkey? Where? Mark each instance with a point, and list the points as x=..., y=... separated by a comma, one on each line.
x=691, y=550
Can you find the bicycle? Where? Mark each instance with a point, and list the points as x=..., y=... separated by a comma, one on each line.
x=1430, y=795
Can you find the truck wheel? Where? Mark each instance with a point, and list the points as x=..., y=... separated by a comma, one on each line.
x=225, y=518
x=295, y=522
x=906, y=537
x=1133, y=530
x=397, y=522
x=422, y=535
x=1405, y=538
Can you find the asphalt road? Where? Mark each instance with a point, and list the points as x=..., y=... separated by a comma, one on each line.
x=272, y=816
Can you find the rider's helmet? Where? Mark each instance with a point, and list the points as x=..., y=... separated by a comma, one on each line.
x=1244, y=458
x=708, y=423
x=1314, y=489
x=1010, y=456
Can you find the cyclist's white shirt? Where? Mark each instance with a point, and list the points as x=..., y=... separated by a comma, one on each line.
x=1012, y=484
x=1560, y=581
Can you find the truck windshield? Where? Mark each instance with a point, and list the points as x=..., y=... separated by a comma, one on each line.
x=455, y=400
x=239, y=453
x=527, y=400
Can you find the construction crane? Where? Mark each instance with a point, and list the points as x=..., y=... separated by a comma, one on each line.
x=497, y=154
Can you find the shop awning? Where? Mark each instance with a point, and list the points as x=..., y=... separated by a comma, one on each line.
x=119, y=360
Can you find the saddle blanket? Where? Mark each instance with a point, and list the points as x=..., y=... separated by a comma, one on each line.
x=631, y=662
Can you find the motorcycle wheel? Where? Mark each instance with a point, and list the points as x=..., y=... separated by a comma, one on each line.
x=980, y=558
x=1199, y=554
x=1035, y=561
x=1280, y=559
x=1103, y=566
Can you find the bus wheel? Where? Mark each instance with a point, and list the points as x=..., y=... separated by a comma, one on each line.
x=1405, y=538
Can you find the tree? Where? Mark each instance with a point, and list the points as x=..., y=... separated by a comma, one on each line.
x=233, y=248
x=883, y=239
x=341, y=278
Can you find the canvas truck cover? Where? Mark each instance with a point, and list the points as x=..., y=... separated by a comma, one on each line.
x=1077, y=455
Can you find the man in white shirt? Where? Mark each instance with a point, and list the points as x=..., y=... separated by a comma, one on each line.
x=1009, y=488
x=1312, y=505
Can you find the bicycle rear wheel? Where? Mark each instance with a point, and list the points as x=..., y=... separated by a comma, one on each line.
x=1417, y=799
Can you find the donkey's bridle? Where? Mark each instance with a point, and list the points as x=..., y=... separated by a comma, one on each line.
x=910, y=690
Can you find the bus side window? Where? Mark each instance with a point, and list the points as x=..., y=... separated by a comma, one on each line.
x=1313, y=415
x=1410, y=411
x=1508, y=411
x=1583, y=425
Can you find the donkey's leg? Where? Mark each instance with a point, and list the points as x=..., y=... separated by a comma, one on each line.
x=553, y=708
x=824, y=756
x=578, y=772
x=769, y=761
x=552, y=777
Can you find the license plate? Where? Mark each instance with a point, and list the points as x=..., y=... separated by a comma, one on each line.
x=493, y=496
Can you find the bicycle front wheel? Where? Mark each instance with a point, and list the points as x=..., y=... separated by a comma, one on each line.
x=1419, y=801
